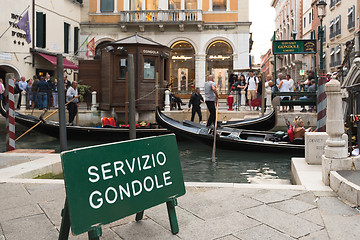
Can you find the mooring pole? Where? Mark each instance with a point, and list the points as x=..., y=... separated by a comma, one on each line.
x=131, y=76
x=10, y=112
x=62, y=95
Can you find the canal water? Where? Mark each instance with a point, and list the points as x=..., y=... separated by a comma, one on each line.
x=230, y=166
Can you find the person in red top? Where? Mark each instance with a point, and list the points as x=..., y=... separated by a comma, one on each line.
x=299, y=130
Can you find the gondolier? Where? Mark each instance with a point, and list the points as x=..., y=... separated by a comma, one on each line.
x=196, y=100
x=210, y=96
x=72, y=93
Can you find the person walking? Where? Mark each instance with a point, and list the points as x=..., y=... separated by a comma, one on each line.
x=211, y=95
x=196, y=100
x=252, y=84
x=72, y=93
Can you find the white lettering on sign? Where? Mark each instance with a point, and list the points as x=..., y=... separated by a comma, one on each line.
x=134, y=188
x=150, y=51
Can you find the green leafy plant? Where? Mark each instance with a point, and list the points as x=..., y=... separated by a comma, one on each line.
x=83, y=90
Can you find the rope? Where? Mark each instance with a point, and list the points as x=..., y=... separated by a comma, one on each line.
x=41, y=121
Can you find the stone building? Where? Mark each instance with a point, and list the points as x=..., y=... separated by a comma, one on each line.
x=288, y=25
x=340, y=25
x=206, y=36
x=54, y=28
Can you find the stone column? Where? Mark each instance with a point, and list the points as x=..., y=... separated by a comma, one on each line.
x=167, y=100
x=200, y=71
x=23, y=101
x=93, y=101
x=268, y=99
x=243, y=101
x=335, y=154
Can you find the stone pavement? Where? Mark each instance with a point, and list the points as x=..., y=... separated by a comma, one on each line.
x=32, y=212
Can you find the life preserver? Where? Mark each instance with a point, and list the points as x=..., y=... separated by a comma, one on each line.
x=112, y=122
x=290, y=132
x=108, y=121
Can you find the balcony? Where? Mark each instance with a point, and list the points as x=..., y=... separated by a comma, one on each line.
x=161, y=16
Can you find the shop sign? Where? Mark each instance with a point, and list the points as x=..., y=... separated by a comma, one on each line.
x=107, y=182
x=153, y=52
x=219, y=57
x=5, y=56
x=14, y=33
x=182, y=57
x=294, y=47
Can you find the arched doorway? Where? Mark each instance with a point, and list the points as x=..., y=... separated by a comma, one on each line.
x=182, y=67
x=219, y=61
x=5, y=68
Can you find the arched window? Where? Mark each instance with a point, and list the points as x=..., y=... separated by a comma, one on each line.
x=219, y=62
x=182, y=67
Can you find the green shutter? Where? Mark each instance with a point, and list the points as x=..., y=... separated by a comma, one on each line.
x=40, y=30
x=76, y=40
x=66, y=38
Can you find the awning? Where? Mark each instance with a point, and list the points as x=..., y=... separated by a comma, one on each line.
x=52, y=59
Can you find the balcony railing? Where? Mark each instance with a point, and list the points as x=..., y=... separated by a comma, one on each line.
x=157, y=16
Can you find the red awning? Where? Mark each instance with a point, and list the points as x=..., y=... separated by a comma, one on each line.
x=52, y=59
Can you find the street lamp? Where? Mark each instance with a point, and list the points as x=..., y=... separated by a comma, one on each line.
x=321, y=12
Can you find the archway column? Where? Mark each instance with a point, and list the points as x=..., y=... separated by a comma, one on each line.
x=200, y=71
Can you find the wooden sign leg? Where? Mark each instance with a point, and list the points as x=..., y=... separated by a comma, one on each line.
x=139, y=216
x=95, y=233
x=172, y=215
x=65, y=222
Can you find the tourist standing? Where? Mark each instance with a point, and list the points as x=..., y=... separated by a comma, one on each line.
x=29, y=93
x=42, y=88
x=2, y=89
x=35, y=92
x=252, y=84
x=22, y=86
x=49, y=82
x=284, y=87
x=239, y=86
x=196, y=100
x=72, y=98
x=210, y=96
x=54, y=88
x=291, y=89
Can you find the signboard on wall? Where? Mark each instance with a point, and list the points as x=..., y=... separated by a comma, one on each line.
x=294, y=47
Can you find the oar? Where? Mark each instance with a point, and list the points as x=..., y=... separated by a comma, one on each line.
x=215, y=128
x=41, y=121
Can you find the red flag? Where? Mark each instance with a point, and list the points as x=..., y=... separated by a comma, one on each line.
x=91, y=47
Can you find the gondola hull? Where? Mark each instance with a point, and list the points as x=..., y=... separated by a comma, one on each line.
x=264, y=123
x=83, y=133
x=228, y=138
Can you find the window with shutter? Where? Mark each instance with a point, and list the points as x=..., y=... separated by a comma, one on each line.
x=66, y=37
x=107, y=5
x=40, y=30
x=76, y=40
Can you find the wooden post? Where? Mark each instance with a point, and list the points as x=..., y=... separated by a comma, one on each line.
x=127, y=99
x=262, y=94
x=157, y=89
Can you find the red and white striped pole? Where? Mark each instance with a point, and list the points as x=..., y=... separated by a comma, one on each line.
x=10, y=113
x=321, y=102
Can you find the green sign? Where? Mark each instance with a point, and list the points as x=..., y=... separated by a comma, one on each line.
x=107, y=182
x=294, y=47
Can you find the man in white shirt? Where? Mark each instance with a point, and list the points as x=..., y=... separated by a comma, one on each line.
x=22, y=86
x=252, y=84
x=291, y=89
x=72, y=97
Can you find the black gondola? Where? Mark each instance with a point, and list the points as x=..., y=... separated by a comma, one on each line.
x=51, y=128
x=229, y=138
x=264, y=123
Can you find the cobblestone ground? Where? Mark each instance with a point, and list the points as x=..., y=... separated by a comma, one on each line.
x=32, y=211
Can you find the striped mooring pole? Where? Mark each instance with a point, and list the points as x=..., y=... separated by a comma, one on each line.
x=321, y=102
x=10, y=112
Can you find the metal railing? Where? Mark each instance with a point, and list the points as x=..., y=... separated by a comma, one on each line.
x=161, y=16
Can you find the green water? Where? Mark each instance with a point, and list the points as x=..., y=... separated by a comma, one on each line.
x=230, y=166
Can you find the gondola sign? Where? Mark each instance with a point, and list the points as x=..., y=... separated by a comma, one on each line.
x=108, y=182
x=294, y=47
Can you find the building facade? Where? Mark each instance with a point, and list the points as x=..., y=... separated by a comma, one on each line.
x=266, y=65
x=54, y=28
x=206, y=36
x=288, y=25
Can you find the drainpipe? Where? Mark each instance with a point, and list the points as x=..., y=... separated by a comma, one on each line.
x=33, y=32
